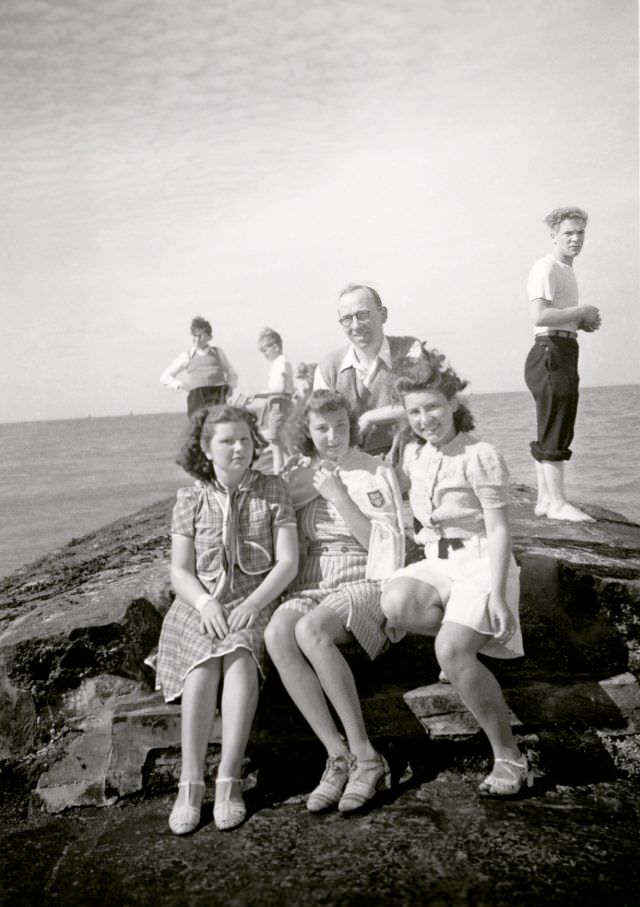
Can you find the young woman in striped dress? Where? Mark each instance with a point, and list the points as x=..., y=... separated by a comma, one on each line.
x=351, y=534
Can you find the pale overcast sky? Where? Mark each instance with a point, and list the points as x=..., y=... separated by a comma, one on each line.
x=244, y=161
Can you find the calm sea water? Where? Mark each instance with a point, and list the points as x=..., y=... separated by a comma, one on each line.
x=62, y=479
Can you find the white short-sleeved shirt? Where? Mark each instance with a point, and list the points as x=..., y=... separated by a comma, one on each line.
x=554, y=281
x=280, y=380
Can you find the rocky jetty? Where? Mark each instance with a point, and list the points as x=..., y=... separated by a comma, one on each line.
x=80, y=723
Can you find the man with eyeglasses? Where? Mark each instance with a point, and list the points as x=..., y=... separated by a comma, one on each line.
x=363, y=372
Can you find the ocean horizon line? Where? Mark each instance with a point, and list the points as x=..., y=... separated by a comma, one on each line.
x=174, y=412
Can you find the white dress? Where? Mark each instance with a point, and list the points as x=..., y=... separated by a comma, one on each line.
x=450, y=488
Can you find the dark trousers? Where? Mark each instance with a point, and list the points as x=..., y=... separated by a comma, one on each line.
x=551, y=374
x=205, y=396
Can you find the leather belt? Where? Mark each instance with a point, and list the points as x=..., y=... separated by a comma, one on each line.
x=572, y=334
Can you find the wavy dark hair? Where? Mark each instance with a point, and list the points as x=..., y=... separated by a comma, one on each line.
x=319, y=401
x=191, y=455
x=427, y=372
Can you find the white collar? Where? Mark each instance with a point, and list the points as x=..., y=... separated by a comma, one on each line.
x=351, y=360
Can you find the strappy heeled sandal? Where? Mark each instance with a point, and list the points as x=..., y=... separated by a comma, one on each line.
x=365, y=778
x=332, y=784
x=184, y=816
x=230, y=812
x=495, y=786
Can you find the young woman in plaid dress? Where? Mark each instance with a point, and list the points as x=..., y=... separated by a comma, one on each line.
x=234, y=550
x=351, y=530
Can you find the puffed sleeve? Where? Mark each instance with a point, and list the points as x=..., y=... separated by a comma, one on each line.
x=282, y=512
x=184, y=512
x=489, y=477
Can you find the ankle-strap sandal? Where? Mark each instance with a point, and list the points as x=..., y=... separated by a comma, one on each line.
x=230, y=812
x=497, y=786
x=185, y=817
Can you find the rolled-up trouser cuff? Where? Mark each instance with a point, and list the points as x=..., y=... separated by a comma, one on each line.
x=539, y=454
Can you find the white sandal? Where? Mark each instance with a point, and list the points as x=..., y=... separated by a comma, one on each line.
x=495, y=786
x=228, y=813
x=366, y=777
x=184, y=817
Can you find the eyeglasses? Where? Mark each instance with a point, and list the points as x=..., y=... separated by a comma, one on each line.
x=360, y=317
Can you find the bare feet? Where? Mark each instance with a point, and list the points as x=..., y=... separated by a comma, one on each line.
x=566, y=511
x=542, y=507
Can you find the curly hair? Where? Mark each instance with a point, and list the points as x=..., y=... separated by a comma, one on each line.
x=319, y=401
x=430, y=371
x=200, y=324
x=200, y=431
x=556, y=217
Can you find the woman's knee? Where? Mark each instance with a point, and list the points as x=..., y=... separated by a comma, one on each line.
x=279, y=635
x=452, y=654
x=311, y=634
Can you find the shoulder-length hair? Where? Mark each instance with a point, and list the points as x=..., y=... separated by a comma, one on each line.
x=428, y=372
x=319, y=401
x=197, y=438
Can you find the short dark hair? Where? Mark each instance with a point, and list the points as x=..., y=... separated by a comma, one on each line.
x=430, y=371
x=354, y=287
x=319, y=401
x=200, y=324
x=200, y=431
x=556, y=217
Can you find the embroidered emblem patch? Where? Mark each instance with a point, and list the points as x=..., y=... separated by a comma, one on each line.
x=376, y=498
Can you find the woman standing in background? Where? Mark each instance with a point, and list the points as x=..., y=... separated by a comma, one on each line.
x=209, y=375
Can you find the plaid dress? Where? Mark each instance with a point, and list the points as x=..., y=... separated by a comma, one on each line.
x=334, y=564
x=233, y=542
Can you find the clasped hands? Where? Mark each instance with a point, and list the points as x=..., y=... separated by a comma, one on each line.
x=216, y=622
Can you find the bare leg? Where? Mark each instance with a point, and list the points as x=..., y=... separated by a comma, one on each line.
x=456, y=649
x=238, y=707
x=300, y=680
x=411, y=605
x=558, y=506
x=317, y=635
x=199, y=698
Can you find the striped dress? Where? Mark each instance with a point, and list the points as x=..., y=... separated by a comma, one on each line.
x=202, y=512
x=334, y=566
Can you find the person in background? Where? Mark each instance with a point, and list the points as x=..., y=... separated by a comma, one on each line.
x=272, y=408
x=351, y=533
x=551, y=369
x=303, y=381
x=208, y=376
x=234, y=550
x=364, y=371
x=465, y=591
x=280, y=378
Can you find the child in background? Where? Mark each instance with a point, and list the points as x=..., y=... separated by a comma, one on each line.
x=234, y=550
x=466, y=590
x=272, y=408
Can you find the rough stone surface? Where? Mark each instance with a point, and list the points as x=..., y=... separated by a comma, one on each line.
x=79, y=717
x=432, y=841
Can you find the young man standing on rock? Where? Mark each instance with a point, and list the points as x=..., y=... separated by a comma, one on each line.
x=551, y=370
x=364, y=371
